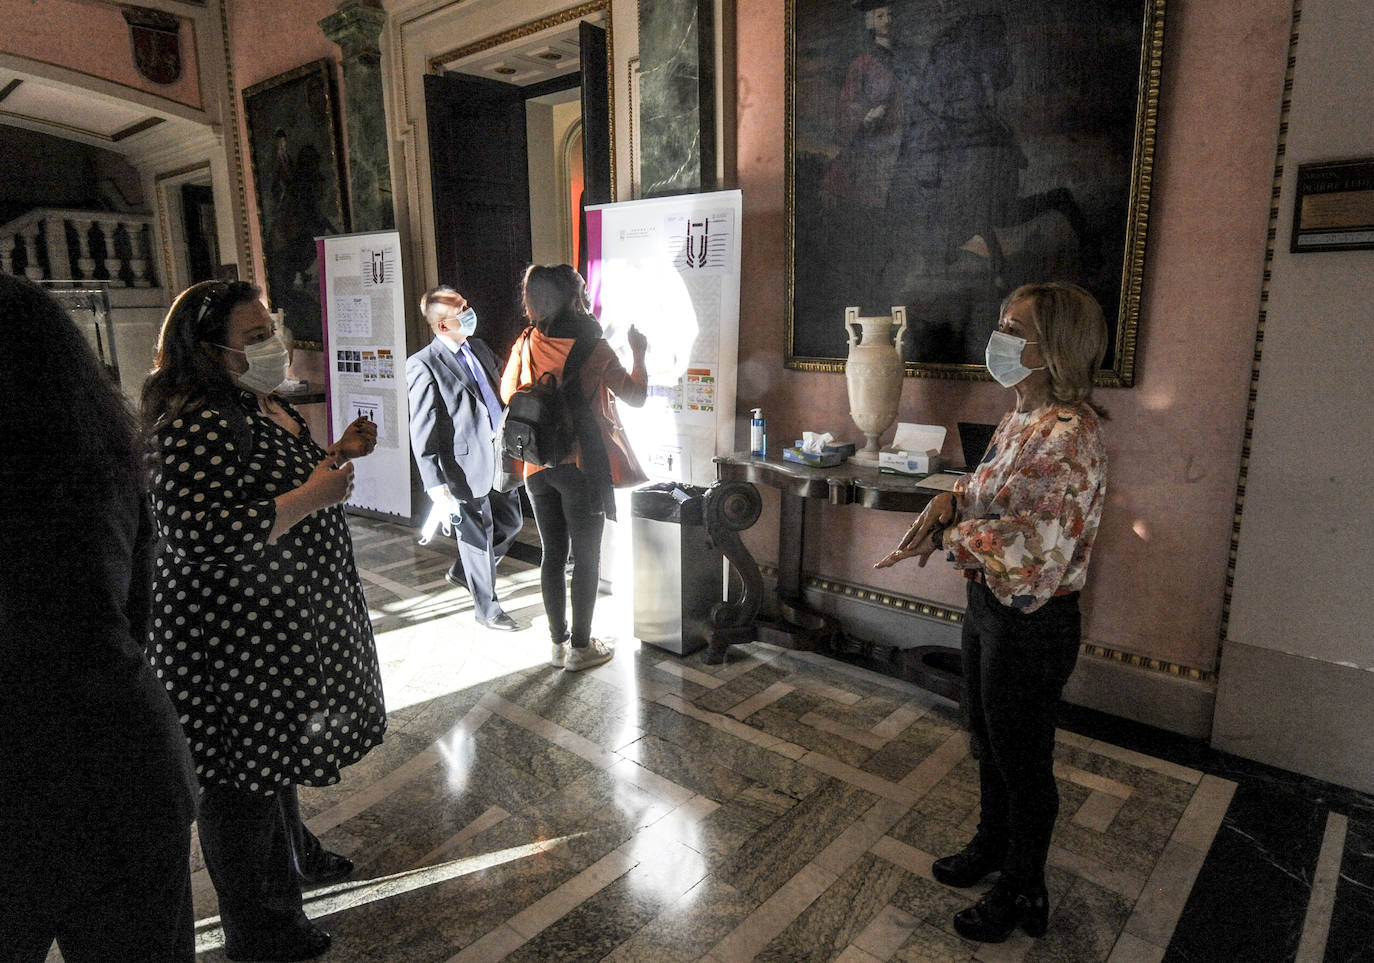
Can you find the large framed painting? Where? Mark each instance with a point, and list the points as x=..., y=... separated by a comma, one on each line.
x=942, y=152
x=294, y=148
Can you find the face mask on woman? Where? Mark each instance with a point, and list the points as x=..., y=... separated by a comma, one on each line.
x=267, y=362
x=1003, y=358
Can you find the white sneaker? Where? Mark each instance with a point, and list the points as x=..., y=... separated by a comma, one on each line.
x=558, y=652
x=595, y=653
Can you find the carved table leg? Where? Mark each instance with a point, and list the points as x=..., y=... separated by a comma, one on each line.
x=731, y=507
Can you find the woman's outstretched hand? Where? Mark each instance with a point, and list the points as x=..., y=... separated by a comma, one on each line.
x=916, y=543
x=637, y=341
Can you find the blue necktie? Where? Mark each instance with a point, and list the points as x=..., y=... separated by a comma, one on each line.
x=492, y=402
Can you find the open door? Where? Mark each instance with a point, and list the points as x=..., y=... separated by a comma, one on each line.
x=596, y=129
x=479, y=176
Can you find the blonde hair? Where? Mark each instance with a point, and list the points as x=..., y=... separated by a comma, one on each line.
x=1072, y=336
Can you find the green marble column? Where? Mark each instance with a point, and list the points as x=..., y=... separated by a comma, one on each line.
x=677, y=123
x=356, y=27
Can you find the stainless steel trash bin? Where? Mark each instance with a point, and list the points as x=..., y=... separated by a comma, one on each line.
x=678, y=576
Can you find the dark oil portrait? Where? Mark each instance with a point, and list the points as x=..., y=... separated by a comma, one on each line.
x=942, y=152
x=293, y=144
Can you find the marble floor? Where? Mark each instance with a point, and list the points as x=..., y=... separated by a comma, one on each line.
x=783, y=806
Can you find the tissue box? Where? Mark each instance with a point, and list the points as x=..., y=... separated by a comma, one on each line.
x=910, y=462
x=843, y=450
x=914, y=451
x=825, y=459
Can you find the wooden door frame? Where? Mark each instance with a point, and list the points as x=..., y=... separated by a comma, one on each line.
x=417, y=39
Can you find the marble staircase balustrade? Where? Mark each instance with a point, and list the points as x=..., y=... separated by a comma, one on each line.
x=61, y=244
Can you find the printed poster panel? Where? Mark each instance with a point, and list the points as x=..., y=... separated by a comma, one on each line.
x=364, y=334
x=671, y=267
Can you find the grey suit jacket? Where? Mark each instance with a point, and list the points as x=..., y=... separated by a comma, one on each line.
x=450, y=434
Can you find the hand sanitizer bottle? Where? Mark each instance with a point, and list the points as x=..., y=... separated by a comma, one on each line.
x=758, y=434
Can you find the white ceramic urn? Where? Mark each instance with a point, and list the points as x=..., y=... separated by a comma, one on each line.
x=874, y=372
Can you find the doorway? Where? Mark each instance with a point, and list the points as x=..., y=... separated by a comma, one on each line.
x=201, y=231
x=519, y=142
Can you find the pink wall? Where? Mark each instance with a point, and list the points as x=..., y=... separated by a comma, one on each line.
x=1158, y=583
x=268, y=39
x=100, y=48
x=1159, y=572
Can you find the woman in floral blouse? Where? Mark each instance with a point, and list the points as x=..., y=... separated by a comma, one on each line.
x=1021, y=526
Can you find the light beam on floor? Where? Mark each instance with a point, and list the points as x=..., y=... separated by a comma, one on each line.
x=334, y=899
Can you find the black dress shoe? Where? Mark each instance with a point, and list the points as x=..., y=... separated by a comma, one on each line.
x=305, y=943
x=326, y=868
x=455, y=578
x=1001, y=910
x=500, y=622
x=970, y=864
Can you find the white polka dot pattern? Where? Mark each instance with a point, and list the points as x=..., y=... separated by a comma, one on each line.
x=267, y=650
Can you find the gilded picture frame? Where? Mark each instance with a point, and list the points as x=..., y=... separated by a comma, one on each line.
x=295, y=152
x=941, y=152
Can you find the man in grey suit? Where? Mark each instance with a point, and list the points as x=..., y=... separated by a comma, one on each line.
x=454, y=412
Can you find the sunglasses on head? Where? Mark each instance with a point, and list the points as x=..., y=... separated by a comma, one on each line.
x=213, y=295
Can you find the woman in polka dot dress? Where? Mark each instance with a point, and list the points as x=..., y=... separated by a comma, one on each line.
x=259, y=627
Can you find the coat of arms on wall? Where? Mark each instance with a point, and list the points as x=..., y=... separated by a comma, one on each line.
x=156, y=43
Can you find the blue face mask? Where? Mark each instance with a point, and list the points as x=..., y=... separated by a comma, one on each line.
x=1003, y=357
x=466, y=322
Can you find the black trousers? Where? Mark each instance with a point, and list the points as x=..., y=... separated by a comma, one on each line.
x=1015, y=667
x=568, y=509
x=252, y=845
x=113, y=893
x=485, y=533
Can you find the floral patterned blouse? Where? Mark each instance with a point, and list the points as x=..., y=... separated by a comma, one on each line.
x=1030, y=511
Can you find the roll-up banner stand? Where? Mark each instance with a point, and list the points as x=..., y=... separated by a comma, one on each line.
x=363, y=315
x=671, y=267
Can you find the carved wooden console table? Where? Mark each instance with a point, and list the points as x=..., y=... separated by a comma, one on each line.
x=733, y=504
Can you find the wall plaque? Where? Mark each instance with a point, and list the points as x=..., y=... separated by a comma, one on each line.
x=1334, y=210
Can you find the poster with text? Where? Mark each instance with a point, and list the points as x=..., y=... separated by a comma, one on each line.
x=364, y=334
x=670, y=266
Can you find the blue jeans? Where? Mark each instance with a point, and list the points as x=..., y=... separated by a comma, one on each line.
x=567, y=507
x=1015, y=667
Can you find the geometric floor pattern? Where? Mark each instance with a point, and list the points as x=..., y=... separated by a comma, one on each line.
x=780, y=807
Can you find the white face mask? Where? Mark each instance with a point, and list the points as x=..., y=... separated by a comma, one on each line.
x=466, y=322
x=1003, y=358
x=267, y=362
